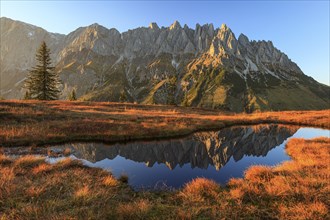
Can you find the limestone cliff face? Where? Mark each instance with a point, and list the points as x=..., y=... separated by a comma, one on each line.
x=199, y=150
x=206, y=66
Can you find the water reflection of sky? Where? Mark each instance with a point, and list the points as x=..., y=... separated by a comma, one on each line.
x=308, y=133
x=141, y=175
x=274, y=156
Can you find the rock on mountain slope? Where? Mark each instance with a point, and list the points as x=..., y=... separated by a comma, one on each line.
x=205, y=67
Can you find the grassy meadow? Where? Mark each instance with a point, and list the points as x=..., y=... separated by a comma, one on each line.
x=30, y=188
x=38, y=123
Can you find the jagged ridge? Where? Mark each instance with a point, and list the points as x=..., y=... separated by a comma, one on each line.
x=205, y=66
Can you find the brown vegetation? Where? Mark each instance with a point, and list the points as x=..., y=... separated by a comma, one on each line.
x=30, y=188
x=35, y=122
x=299, y=189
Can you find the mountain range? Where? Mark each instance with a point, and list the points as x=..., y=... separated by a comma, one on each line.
x=206, y=67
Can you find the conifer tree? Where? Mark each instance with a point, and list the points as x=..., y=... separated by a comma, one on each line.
x=171, y=90
x=27, y=95
x=43, y=82
x=185, y=100
x=123, y=96
x=72, y=95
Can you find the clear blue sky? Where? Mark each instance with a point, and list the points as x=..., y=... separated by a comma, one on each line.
x=298, y=28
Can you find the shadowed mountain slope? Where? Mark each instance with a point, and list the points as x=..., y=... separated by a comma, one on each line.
x=206, y=67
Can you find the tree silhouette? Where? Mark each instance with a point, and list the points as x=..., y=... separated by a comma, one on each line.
x=72, y=96
x=123, y=96
x=42, y=82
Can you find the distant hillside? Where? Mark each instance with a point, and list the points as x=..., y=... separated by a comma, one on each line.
x=205, y=67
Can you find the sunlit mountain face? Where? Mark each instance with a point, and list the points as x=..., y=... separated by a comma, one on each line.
x=206, y=66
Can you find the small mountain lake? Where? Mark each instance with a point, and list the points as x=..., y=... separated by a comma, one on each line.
x=218, y=155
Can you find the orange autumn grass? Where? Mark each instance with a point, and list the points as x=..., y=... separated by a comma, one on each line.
x=40, y=122
x=298, y=189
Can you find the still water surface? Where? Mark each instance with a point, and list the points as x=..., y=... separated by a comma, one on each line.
x=218, y=155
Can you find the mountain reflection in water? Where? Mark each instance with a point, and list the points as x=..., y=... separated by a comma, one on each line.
x=200, y=150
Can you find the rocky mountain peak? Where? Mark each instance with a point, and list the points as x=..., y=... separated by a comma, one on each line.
x=224, y=27
x=243, y=40
x=96, y=28
x=94, y=25
x=225, y=33
x=153, y=26
x=175, y=25
x=223, y=43
x=210, y=29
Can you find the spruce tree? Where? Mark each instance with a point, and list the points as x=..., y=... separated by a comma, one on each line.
x=27, y=96
x=122, y=97
x=72, y=95
x=171, y=90
x=43, y=82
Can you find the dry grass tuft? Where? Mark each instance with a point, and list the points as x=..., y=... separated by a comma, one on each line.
x=7, y=174
x=184, y=214
x=134, y=210
x=288, y=167
x=278, y=186
x=68, y=163
x=200, y=190
x=82, y=192
x=110, y=181
x=4, y=160
x=42, y=168
x=237, y=193
x=235, y=182
x=29, y=161
x=258, y=173
x=315, y=210
x=35, y=191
